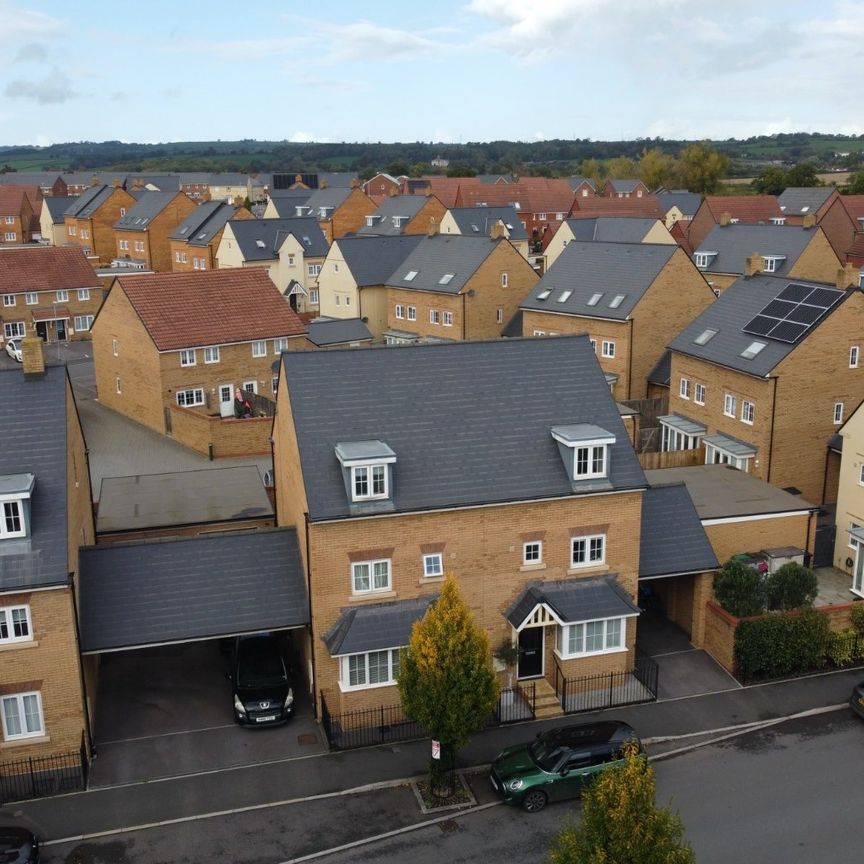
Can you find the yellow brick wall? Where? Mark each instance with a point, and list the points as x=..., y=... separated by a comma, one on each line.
x=101, y=225
x=348, y=217
x=818, y=261
x=47, y=300
x=732, y=538
x=220, y=438
x=431, y=209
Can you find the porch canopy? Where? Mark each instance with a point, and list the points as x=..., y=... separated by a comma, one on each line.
x=139, y=595
x=52, y=313
x=571, y=601
x=683, y=424
x=732, y=446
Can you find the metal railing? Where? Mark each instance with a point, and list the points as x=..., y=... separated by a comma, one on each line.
x=515, y=704
x=384, y=724
x=608, y=689
x=43, y=776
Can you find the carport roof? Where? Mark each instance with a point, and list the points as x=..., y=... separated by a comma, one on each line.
x=141, y=594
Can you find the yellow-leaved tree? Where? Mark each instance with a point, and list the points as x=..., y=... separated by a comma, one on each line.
x=446, y=679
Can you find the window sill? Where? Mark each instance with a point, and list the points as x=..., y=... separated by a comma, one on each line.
x=371, y=595
x=590, y=568
x=344, y=688
x=528, y=567
x=425, y=580
x=12, y=646
x=24, y=742
x=589, y=653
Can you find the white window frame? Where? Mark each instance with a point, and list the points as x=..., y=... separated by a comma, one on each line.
x=612, y=635
x=123, y=245
x=71, y=230
x=83, y=323
x=188, y=357
x=21, y=715
x=10, y=236
x=853, y=542
x=211, y=354
x=371, y=575
x=730, y=405
x=591, y=557
x=10, y=220
x=250, y=386
x=593, y=452
x=499, y=315
x=607, y=349
x=412, y=313
x=83, y=294
x=280, y=344
x=684, y=388
x=31, y=298
x=8, y=624
x=313, y=270
x=313, y=296
x=433, y=565
x=61, y=296
x=505, y=279
x=532, y=552
x=838, y=413
x=6, y=512
x=117, y=388
x=259, y=348
x=8, y=300
x=447, y=319
x=699, y=394
x=196, y=399
x=345, y=663
x=139, y=245
x=400, y=311
x=434, y=316
x=748, y=412
x=853, y=357
x=374, y=475
x=14, y=329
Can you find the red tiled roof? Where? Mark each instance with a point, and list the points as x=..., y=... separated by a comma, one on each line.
x=10, y=200
x=745, y=208
x=854, y=205
x=590, y=208
x=534, y=195
x=855, y=253
x=213, y=307
x=44, y=268
x=51, y=313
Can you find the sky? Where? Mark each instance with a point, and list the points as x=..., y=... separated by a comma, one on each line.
x=446, y=71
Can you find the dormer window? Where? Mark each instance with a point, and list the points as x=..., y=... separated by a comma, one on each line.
x=370, y=221
x=15, y=492
x=366, y=466
x=585, y=450
x=772, y=262
x=778, y=220
x=704, y=259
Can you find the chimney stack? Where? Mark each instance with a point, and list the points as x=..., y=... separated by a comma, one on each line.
x=497, y=232
x=323, y=184
x=94, y=180
x=432, y=230
x=753, y=264
x=725, y=219
x=847, y=277
x=809, y=220
x=355, y=183
x=32, y=356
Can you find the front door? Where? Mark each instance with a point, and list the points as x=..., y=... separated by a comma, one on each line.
x=226, y=400
x=42, y=330
x=858, y=575
x=61, y=330
x=531, y=652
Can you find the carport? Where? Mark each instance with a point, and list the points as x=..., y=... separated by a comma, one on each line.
x=152, y=617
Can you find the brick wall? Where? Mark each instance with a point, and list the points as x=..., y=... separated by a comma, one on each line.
x=47, y=301
x=839, y=228
x=431, y=209
x=818, y=261
x=349, y=216
x=720, y=629
x=733, y=538
x=228, y=437
x=101, y=226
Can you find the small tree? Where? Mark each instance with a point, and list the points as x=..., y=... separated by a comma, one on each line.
x=740, y=589
x=792, y=586
x=446, y=679
x=622, y=823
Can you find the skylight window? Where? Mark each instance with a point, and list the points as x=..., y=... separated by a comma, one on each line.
x=595, y=299
x=202, y=235
x=705, y=337
x=410, y=276
x=260, y=244
x=616, y=301
x=445, y=279
x=184, y=229
x=475, y=228
x=564, y=296
x=752, y=350
x=544, y=294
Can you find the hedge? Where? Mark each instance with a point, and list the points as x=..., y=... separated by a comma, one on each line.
x=782, y=644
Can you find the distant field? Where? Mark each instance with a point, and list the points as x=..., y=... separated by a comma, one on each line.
x=835, y=178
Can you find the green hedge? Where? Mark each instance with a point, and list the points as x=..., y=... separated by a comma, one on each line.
x=782, y=644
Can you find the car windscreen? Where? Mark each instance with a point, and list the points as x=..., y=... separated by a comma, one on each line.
x=545, y=753
x=260, y=666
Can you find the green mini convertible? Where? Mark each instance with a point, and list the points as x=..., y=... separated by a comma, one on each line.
x=558, y=763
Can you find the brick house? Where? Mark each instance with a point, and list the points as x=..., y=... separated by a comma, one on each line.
x=20, y=208
x=765, y=376
x=194, y=242
x=583, y=187
x=90, y=221
x=339, y=210
x=843, y=224
x=678, y=206
x=48, y=182
x=632, y=299
x=46, y=516
x=797, y=203
x=382, y=185
x=482, y=221
x=171, y=349
x=624, y=189
x=404, y=214
x=143, y=234
x=48, y=291
x=849, y=520
x=734, y=209
x=731, y=251
x=531, y=496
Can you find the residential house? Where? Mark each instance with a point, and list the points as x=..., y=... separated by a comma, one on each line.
x=531, y=496
x=849, y=521
x=195, y=240
x=632, y=299
x=52, y=224
x=77, y=183
x=382, y=185
x=338, y=333
x=731, y=251
x=339, y=210
x=196, y=184
x=732, y=209
x=613, y=188
x=171, y=349
x=48, y=291
x=283, y=203
x=583, y=187
x=591, y=208
x=404, y=214
x=445, y=189
x=143, y=233
x=797, y=203
x=843, y=224
x=19, y=214
x=608, y=229
x=678, y=205
x=231, y=187
x=765, y=376
x=47, y=515
x=49, y=182
x=90, y=221
x=482, y=221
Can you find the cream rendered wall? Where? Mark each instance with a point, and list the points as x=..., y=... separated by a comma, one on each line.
x=559, y=240
x=289, y=264
x=850, y=492
x=228, y=252
x=659, y=233
x=337, y=290
x=51, y=233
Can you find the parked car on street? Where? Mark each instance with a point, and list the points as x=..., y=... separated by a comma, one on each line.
x=558, y=763
x=13, y=349
x=261, y=675
x=856, y=700
x=18, y=845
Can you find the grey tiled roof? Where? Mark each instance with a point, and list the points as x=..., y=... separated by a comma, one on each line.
x=88, y=201
x=576, y=181
x=730, y=313
x=574, y=600
x=272, y=233
x=800, y=200
x=623, y=185
x=375, y=627
x=337, y=331
x=479, y=221
x=460, y=439
x=203, y=223
x=661, y=372
x=672, y=539
x=163, y=182
x=286, y=201
x=32, y=178
x=612, y=229
x=337, y=179
x=201, y=587
x=687, y=202
x=406, y=206
x=372, y=260
x=57, y=206
x=149, y=206
x=735, y=243
x=33, y=437
x=610, y=269
x=332, y=196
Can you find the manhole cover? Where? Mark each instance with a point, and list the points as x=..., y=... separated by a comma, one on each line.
x=307, y=738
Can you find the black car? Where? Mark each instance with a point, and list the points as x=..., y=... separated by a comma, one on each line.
x=856, y=700
x=18, y=846
x=261, y=676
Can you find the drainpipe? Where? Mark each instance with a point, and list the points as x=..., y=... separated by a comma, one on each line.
x=87, y=730
x=825, y=475
x=309, y=600
x=771, y=436
x=630, y=364
x=463, y=316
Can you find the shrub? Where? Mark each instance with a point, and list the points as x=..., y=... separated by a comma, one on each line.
x=792, y=586
x=857, y=616
x=842, y=648
x=740, y=589
x=780, y=645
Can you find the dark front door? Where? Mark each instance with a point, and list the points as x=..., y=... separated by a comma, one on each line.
x=42, y=330
x=61, y=330
x=531, y=652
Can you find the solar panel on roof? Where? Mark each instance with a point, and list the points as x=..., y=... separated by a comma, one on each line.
x=823, y=297
x=794, y=292
x=760, y=326
x=788, y=331
x=804, y=314
x=778, y=308
x=793, y=312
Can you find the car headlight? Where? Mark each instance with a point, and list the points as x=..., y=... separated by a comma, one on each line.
x=238, y=705
x=513, y=785
x=289, y=699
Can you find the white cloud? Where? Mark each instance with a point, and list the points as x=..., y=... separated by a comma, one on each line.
x=49, y=90
x=31, y=52
x=363, y=40
x=18, y=24
x=303, y=138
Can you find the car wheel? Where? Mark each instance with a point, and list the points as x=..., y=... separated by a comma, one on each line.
x=534, y=801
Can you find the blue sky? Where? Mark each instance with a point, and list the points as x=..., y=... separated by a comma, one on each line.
x=449, y=71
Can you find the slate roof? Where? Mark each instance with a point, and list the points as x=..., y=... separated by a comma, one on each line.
x=731, y=312
x=227, y=178
x=34, y=441
x=375, y=627
x=149, y=206
x=324, y=332
x=44, y=268
x=332, y=196
x=138, y=594
x=406, y=206
x=286, y=201
x=40, y=178
x=57, y=206
x=610, y=269
x=574, y=600
x=672, y=539
x=612, y=229
x=307, y=231
x=260, y=239
x=435, y=258
x=800, y=200
x=661, y=373
x=460, y=439
x=624, y=186
x=687, y=202
x=209, y=307
x=372, y=260
x=576, y=181
x=89, y=201
x=163, y=181
x=203, y=223
x=479, y=220
x=337, y=179
x=735, y=243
